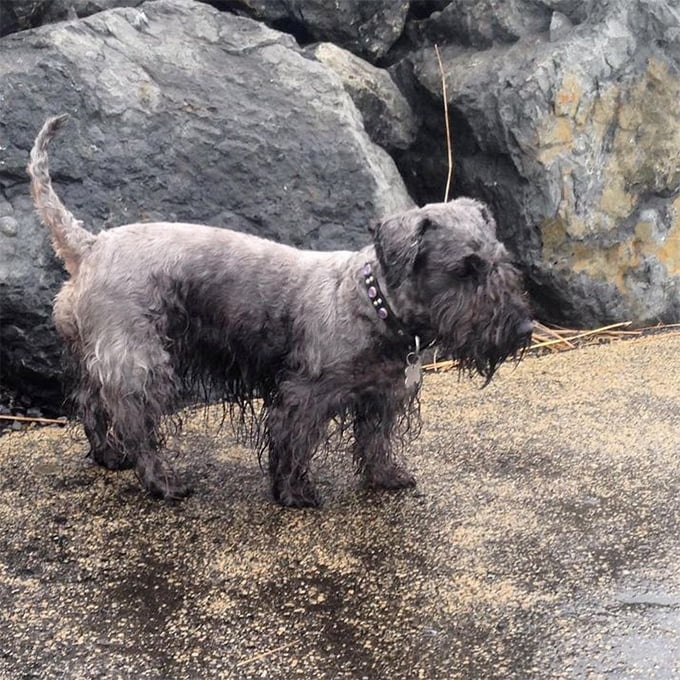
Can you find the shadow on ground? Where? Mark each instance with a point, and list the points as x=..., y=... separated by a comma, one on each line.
x=541, y=542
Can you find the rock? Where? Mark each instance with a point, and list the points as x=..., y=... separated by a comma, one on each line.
x=481, y=23
x=17, y=15
x=29, y=278
x=560, y=25
x=576, y=11
x=178, y=112
x=71, y=9
x=388, y=117
x=365, y=28
x=576, y=143
x=8, y=226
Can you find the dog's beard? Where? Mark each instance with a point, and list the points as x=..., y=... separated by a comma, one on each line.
x=483, y=362
x=481, y=347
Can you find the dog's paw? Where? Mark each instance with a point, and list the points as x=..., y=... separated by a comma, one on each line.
x=169, y=490
x=390, y=477
x=160, y=480
x=110, y=459
x=299, y=496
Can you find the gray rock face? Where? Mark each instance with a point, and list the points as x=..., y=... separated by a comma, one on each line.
x=367, y=28
x=576, y=143
x=388, y=117
x=179, y=112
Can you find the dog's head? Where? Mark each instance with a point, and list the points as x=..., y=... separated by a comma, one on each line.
x=454, y=281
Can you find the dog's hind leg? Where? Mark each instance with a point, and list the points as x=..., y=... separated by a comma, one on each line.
x=93, y=415
x=135, y=388
x=103, y=451
x=375, y=417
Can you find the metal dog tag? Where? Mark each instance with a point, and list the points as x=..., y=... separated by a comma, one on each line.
x=413, y=373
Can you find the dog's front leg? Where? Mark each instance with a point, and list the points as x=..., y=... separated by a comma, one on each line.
x=296, y=423
x=376, y=419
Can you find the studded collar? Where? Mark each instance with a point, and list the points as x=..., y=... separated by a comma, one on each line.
x=381, y=306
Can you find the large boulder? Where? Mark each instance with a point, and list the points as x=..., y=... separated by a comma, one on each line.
x=388, y=117
x=366, y=28
x=178, y=112
x=575, y=141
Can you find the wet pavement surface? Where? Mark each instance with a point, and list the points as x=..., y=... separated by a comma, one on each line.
x=541, y=542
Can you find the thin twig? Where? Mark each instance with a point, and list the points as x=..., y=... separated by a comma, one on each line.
x=445, y=365
x=580, y=336
x=31, y=419
x=263, y=655
x=449, y=150
x=541, y=329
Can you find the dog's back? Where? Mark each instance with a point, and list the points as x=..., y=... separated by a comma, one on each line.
x=188, y=278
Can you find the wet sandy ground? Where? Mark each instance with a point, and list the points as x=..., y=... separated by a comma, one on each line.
x=541, y=542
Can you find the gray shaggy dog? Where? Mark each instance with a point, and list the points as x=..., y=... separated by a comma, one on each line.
x=154, y=313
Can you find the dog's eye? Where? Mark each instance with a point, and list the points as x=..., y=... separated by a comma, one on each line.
x=470, y=266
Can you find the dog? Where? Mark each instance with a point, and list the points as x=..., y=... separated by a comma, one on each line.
x=152, y=311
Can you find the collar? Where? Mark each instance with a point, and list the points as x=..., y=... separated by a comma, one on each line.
x=381, y=306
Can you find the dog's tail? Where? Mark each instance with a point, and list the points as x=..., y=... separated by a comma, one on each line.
x=69, y=239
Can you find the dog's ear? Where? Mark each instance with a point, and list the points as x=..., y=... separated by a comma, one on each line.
x=398, y=242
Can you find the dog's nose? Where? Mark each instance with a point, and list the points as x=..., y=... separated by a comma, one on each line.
x=525, y=328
